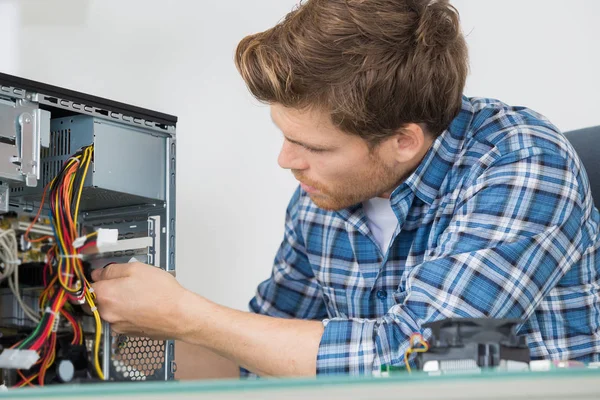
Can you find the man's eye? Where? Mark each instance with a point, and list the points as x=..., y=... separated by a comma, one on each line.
x=315, y=150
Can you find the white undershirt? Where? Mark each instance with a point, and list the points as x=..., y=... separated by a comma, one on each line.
x=381, y=220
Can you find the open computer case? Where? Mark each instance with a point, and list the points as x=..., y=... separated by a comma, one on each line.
x=84, y=182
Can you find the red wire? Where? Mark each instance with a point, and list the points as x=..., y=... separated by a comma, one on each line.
x=87, y=245
x=23, y=379
x=37, y=217
x=45, y=365
x=75, y=326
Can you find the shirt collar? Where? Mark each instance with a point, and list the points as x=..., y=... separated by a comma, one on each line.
x=425, y=182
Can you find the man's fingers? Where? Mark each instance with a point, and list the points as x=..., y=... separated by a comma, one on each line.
x=107, y=315
x=98, y=290
x=112, y=271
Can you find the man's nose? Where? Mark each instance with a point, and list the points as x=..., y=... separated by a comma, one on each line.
x=289, y=157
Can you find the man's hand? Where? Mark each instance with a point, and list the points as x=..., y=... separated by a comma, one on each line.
x=139, y=300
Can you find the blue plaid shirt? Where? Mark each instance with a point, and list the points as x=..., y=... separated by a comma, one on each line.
x=497, y=221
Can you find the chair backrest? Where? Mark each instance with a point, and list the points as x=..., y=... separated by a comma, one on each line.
x=584, y=142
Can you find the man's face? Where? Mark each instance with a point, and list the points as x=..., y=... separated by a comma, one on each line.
x=337, y=169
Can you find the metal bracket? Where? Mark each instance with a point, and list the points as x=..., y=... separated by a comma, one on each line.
x=35, y=131
x=154, y=255
x=25, y=128
x=28, y=160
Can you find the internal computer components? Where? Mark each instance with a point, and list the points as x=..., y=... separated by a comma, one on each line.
x=471, y=344
x=466, y=345
x=84, y=182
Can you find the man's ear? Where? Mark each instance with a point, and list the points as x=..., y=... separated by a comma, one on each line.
x=409, y=143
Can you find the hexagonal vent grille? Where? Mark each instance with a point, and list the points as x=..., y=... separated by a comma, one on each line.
x=137, y=359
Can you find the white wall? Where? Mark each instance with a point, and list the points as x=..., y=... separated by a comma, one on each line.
x=176, y=57
x=9, y=31
x=544, y=54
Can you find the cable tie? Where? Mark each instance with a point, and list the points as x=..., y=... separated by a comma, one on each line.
x=94, y=309
x=91, y=290
x=49, y=311
x=80, y=256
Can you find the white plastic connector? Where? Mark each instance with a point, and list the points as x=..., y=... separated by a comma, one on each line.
x=107, y=236
x=540, y=365
x=80, y=241
x=18, y=359
x=431, y=366
x=103, y=237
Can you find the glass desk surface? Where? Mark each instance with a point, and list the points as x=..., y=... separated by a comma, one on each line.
x=574, y=383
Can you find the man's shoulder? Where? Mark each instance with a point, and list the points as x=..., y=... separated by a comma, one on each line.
x=490, y=134
x=504, y=129
x=499, y=134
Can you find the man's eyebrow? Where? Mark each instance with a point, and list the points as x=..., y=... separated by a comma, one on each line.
x=308, y=146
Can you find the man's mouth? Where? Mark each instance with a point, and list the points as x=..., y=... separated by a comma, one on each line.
x=308, y=189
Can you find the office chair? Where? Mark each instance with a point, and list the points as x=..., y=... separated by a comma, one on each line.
x=584, y=142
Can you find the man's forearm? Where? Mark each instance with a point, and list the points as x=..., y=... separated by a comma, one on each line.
x=261, y=344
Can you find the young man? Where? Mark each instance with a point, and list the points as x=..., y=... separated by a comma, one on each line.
x=415, y=204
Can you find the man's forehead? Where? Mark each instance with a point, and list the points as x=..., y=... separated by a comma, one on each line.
x=305, y=124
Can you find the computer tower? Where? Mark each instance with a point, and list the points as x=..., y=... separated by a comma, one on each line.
x=129, y=187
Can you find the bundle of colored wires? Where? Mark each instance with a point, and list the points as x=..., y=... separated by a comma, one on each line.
x=415, y=339
x=64, y=276
x=9, y=257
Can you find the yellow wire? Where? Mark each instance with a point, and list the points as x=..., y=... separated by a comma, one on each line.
x=406, y=364
x=80, y=332
x=98, y=336
x=411, y=350
x=28, y=380
x=85, y=171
